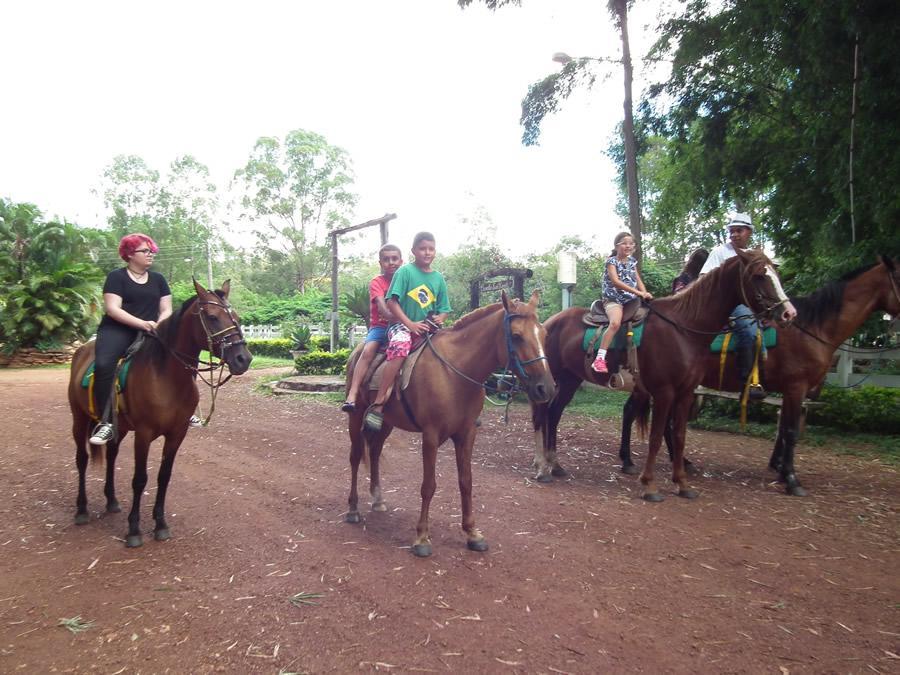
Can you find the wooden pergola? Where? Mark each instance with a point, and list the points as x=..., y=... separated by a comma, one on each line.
x=334, y=234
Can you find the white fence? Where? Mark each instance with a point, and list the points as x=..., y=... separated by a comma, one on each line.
x=844, y=376
x=266, y=332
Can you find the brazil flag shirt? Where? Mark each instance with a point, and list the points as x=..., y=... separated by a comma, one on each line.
x=419, y=292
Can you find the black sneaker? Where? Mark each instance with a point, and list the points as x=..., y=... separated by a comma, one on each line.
x=757, y=393
x=102, y=434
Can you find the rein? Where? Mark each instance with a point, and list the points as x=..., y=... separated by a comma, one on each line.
x=219, y=338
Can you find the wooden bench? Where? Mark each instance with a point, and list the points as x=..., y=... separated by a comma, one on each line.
x=701, y=392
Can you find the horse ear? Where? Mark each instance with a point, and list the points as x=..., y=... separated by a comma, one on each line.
x=504, y=299
x=198, y=289
x=887, y=261
x=535, y=299
x=226, y=288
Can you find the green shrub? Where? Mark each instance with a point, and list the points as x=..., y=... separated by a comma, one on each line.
x=322, y=363
x=299, y=337
x=277, y=347
x=861, y=409
x=321, y=343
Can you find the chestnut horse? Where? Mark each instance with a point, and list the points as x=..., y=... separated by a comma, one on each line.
x=444, y=398
x=676, y=332
x=798, y=365
x=159, y=398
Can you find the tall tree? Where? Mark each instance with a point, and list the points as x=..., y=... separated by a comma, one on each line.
x=294, y=192
x=758, y=110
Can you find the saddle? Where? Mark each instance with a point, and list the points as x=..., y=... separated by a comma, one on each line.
x=633, y=311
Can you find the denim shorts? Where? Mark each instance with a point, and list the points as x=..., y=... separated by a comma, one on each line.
x=377, y=334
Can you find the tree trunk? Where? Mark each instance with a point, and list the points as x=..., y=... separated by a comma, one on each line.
x=631, y=180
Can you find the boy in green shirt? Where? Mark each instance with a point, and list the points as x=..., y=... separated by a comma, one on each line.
x=417, y=300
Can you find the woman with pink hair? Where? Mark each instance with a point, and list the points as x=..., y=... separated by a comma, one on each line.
x=134, y=299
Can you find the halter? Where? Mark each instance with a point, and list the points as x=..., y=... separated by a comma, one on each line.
x=759, y=296
x=221, y=339
x=511, y=357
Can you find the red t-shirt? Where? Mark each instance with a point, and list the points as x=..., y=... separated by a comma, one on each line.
x=378, y=288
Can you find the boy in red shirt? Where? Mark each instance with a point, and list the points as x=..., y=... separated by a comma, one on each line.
x=389, y=258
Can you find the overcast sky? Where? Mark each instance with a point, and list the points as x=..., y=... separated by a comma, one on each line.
x=424, y=96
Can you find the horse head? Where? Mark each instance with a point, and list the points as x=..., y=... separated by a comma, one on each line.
x=524, y=347
x=761, y=288
x=220, y=330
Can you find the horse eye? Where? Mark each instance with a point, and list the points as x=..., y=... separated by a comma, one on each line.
x=517, y=338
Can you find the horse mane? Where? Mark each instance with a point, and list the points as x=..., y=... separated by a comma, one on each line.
x=475, y=315
x=825, y=302
x=155, y=349
x=693, y=301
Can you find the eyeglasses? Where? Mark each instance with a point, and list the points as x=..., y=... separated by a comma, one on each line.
x=145, y=251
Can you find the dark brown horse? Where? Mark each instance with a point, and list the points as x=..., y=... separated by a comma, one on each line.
x=444, y=399
x=797, y=366
x=676, y=332
x=159, y=398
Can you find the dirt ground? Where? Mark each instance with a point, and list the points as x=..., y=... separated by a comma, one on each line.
x=582, y=576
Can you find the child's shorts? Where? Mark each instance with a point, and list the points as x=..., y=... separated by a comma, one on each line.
x=377, y=334
x=399, y=342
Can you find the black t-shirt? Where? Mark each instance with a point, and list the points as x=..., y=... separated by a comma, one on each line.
x=140, y=300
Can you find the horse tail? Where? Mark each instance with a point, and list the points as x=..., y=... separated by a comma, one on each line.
x=641, y=408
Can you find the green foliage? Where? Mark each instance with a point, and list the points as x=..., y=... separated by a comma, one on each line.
x=299, y=336
x=277, y=347
x=322, y=363
x=356, y=302
x=274, y=310
x=859, y=409
x=320, y=343
x=756, y=114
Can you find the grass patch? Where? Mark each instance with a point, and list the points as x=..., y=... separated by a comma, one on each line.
x=259, y=362
x=597, y=402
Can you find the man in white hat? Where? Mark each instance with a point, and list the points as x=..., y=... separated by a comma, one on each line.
x=740, y=229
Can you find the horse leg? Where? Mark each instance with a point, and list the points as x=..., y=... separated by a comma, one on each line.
x=109, y=488
x=463, y=441
x=422, y=545
x=789, y=431
x=546, y=461
x=628, y=466
x=376, y=444
x=170, y=450
x=661, y=406
x=357, y=447
x=677, y=425
x=79, y=433
x=778, y=451
x=138, y=483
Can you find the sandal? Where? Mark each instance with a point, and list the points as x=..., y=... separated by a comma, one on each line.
x=374, y=420
x=348, y=406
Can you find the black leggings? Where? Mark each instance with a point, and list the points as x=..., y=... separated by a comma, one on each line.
x=112, y=343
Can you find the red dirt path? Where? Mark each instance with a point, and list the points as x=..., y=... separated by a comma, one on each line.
x=581, y=577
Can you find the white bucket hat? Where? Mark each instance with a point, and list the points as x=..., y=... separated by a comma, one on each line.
x=740, y=220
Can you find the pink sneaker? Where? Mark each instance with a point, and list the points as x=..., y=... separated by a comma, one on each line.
x=599, y=365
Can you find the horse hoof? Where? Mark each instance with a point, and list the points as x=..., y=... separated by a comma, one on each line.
x=352, y=517
x=690, y=469
x=381, y=507
x=162, y=534
x=688, y=494
x=630, y=470
x=82, y=518
x=113, y=507
x=559, y=472
x=654, y=497
x=479, y=545
x=134, y=541
x=544, y=478
x=421, y=550
x=797, y=491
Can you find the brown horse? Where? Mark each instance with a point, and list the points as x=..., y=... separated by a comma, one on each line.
x=444, y=398
x=158, y=400
x=798, y=365
x=676, y=332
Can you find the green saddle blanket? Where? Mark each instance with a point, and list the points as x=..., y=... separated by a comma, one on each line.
x=769, y=340
x=123, y=375
x=619, y=341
